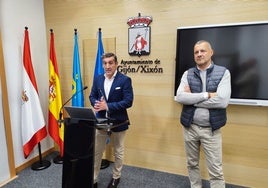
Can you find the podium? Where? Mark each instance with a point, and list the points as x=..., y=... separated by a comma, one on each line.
x=79, y=146
x=78, y=159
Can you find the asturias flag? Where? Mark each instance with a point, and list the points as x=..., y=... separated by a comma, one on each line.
x=98, y=67
x=55, y=100
x=33, y=126
x=77, y=86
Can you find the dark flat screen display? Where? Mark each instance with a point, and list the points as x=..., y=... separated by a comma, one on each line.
x=242, y=48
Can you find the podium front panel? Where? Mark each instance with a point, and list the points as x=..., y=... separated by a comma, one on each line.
x=78, y=159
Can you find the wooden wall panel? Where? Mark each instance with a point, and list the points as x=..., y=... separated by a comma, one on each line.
x=154, y=139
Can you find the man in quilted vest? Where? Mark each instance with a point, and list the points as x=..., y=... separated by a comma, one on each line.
x=205, y=92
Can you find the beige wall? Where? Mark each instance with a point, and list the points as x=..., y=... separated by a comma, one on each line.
x=154, y=140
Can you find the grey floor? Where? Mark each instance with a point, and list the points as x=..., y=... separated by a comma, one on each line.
x=132, y=177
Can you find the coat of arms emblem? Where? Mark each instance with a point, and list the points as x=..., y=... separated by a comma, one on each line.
x=139, y=35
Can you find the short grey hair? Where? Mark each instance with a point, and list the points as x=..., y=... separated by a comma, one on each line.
x=203, y=41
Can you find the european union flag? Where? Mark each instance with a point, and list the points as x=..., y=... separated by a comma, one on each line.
x=98, y=67
x=77, y=86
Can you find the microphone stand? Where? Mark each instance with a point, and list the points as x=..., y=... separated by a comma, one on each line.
x=104, y=162
x=59, y=159
x=60, y=121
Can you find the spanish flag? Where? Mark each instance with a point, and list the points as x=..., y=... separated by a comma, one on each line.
x=55, y=129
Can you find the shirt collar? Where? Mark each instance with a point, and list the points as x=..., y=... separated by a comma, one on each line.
x=206, y=68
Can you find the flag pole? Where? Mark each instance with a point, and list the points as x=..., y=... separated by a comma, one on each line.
x=41, y=164
x=58, y=159
x=104, y=162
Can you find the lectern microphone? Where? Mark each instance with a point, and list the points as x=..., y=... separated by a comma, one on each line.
x=60, y=114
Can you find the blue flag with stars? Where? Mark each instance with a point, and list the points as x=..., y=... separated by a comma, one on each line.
x=98, y=67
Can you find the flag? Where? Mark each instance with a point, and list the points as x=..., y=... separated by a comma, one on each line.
x=33, y=126
x=77, y=86
x=55, y=100
x=98, y=67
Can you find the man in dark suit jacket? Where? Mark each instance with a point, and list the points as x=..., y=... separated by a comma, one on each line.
x=111, y=95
